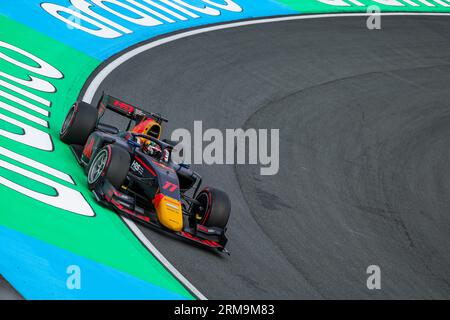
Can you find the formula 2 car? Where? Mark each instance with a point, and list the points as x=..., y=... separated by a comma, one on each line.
x=133, y=173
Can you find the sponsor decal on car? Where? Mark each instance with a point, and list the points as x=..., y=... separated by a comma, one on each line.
x=136, y=167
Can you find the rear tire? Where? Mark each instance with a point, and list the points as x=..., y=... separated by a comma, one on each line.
x=80, y=122
x=111, y=163
x=215, y=208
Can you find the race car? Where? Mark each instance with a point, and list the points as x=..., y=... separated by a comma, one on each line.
x=132, y=172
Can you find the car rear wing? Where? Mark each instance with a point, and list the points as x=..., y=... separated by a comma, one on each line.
x=125, y=109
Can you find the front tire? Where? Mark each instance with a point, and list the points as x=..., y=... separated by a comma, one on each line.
x=111, y=163
x=214, y=209
x=80, y=122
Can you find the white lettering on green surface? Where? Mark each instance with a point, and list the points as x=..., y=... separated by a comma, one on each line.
x=66, y=198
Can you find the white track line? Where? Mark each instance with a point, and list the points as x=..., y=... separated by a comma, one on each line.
x=106, y=71
x=162, y=259
x=101, y=76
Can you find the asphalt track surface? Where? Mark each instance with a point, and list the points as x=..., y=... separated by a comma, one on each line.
x=7, y=292
x=364, y=119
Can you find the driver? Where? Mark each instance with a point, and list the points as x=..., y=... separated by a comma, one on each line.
x=151, y=148
x=149, y=126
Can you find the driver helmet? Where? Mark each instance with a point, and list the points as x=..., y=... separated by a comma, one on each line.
x=150, y=127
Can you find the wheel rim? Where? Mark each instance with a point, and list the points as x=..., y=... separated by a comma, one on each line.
x=98, y=166
x=200, y=214
x=68, y=120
